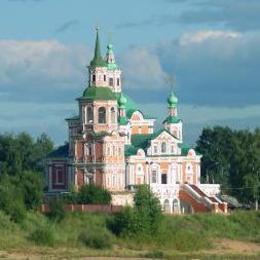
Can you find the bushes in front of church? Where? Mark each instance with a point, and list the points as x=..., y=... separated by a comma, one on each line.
x=21, y=182
x=143, y=219
x=88, y=194
x=20, y=193
x=96, y=237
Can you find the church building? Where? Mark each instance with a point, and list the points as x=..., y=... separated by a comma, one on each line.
x=113, y=144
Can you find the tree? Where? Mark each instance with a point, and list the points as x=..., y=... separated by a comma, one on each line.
x=143, y=219
x=231, y=158
x=32, y=188
x=91, y=194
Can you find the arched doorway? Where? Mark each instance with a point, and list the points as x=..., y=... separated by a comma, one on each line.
x=175, y=206
x=186, y=208
x=167, y=207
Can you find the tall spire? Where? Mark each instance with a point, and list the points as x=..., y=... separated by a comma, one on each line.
x=97, y=61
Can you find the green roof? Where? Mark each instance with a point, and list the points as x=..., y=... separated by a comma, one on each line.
x=98, y=93
x=60, y=152
x=143, y=141
x=98, y=60
x=172, y=120
x=123, y=121
x=130, y=150
x=184, y=149
x=73, y=118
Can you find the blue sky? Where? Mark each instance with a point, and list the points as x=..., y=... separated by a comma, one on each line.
x=211, y=47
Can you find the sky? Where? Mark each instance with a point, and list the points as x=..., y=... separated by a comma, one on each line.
x=210, y=47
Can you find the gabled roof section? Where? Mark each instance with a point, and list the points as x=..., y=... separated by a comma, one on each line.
x=156, y=134
x=60, y=152
x=98, y=93
x=144, y=141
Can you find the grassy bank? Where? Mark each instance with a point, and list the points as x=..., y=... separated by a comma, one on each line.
x=81, y=234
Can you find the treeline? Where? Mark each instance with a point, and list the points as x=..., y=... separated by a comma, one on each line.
x=21, y=167
x=232, y=159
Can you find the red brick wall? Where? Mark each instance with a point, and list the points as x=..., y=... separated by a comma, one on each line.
x=197, y=207
x=99, y=178
x=80, y=177
x=85, y=208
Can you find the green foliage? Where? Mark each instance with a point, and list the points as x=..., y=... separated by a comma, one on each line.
x=21, y=152
x=97, y=238
x=21, y=184
x=11, y=199
x=43, y=235
x=32, y=188
x=176, y=233
x=89, y=194
x=143, y=219
x=57, y=210
x=156, y=254
x=232, y=158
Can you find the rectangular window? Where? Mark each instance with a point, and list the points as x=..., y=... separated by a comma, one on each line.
x=154, y=176
x=164, y=178
x=94, y=78
x=155, y=149
x=105, y=78
x=118, y=81
x=111, y=82
x=59, y=175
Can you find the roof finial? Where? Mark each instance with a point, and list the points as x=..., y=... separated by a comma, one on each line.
x=171, y=82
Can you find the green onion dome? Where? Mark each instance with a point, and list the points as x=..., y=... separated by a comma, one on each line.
x=122, y=101
x=172, y=100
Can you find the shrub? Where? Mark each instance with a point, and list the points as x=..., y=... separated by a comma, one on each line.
x=96, y=238
x=11, y=199
x=57, y=210
x=43, y=236
x=144, y=219
x=91, y=194
x=32, y=188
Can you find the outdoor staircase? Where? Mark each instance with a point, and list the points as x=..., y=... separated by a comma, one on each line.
x=200, y=201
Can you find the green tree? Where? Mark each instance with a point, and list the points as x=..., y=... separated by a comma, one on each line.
x=231, y=158
x=91, y=194
x=143, y=219
x=32, y=188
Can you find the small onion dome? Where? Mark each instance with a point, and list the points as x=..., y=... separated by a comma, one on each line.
x=110, y=46
x=122, y=101
x=172, y=100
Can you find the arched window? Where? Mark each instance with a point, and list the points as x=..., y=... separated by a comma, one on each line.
x=113, y=115
x=102, y=115
x=94, y=78
x=111, y=82
x=89, y=115
x=163, y=147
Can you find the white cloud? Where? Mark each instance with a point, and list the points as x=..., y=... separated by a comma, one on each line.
x=28, y=64
x=142, y=68
x=201, y=36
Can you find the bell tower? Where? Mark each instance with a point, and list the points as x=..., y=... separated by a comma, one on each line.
x=173, y=123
